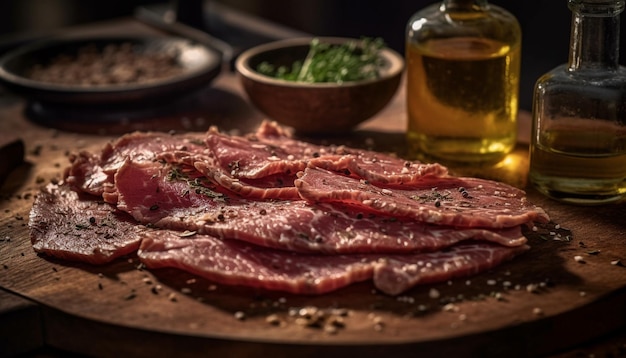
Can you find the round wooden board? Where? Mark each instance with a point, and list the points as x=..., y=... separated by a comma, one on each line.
x=539, y=303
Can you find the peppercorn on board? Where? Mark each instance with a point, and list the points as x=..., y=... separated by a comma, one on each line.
x=574, y=269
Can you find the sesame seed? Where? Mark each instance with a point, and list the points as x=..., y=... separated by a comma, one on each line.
x=433, y=293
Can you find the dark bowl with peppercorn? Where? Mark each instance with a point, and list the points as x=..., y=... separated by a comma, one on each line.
x=108, y=70
x=313, y=108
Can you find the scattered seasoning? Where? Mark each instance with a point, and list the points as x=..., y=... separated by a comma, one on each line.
x=154, y=207
x=239, y=315
x=617, y=263
x=464, y=192
x=274, y=320
x=537, y=311
x=579, y=259
x=200, y=186
x=434, y=293
x=434, y=196
x=532, y=288
x=378, y=322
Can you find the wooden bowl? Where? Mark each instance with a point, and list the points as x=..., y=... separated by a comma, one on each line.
x=315, y=108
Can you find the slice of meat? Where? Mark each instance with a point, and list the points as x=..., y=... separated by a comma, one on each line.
x=247, y=157
x=272, y=151
x=395, y=274
x=378, y=169
x=92, y=173
x=75, y=227
x=165, y=197
x=275, y=186
x=460, y=202
x=238, y=263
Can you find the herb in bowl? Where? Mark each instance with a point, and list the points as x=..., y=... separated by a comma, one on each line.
x=325, y=62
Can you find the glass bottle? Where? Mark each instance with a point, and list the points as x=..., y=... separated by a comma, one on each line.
x=578, y=142
x=463, y=65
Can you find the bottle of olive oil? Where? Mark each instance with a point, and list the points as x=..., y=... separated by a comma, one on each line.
x=578, y=142
x=463, y=65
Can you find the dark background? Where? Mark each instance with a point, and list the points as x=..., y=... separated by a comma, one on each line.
x=545, y=24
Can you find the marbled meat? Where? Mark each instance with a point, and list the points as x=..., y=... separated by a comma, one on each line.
x=267, y=210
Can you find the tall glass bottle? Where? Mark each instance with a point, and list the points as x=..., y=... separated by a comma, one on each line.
x=578, y=143
x=463, y=64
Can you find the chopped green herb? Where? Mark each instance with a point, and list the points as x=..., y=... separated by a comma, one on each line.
x=325, y=62
x=82, y=227
x=199, y=185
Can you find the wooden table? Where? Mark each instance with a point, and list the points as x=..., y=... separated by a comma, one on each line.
x=543, y=303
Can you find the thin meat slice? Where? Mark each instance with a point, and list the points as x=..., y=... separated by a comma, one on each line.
x=275, y=186
x=75, y=227
x=395, y=274
x=379, y=169
x=93, y=173
x=238, y=263
x=247, y=157
x=460, y=202
x=164, y=196
x=271, y=150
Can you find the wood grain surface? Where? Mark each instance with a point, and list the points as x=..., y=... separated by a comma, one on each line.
x=542, y=302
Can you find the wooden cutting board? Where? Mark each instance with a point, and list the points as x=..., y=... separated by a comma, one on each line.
x=541, y=302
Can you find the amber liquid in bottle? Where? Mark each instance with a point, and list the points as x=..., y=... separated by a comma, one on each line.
x=462, y=91
x=580, y=161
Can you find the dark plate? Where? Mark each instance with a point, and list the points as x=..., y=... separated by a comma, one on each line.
x=200, y=65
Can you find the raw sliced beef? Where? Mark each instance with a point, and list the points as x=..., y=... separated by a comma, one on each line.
x=166, y=198
x=238, y=263
x=271, y=151
x=380, y=169
x=269, y=211
x=461, y=202
x=395, y=274
x=275, y=186
x=92, y=173
x=75, y=227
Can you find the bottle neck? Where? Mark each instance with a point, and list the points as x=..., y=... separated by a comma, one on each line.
x=465, y=5
x=594, y=41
